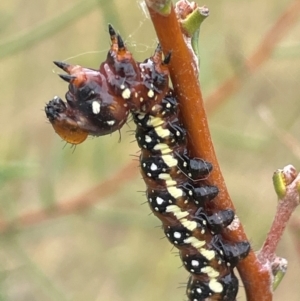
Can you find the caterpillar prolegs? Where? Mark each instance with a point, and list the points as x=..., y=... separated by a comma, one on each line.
x=99, y=102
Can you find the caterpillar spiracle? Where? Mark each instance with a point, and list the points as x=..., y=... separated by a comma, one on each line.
x=98, y=103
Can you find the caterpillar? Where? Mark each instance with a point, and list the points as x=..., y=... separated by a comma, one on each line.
x=98, y=102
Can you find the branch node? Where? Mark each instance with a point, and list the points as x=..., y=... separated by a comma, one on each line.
x=279, y=267
x=162, y=7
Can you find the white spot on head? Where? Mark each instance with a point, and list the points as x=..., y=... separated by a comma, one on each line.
x=141, y=99
x=150, y=93
x=122, y=87
x=96, y=107
x=126, y=93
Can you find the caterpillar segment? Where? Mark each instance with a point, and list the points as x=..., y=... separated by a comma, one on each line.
x=98, y=102
x=225, y=289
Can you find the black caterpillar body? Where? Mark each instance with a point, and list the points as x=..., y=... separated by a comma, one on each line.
x=98, y=103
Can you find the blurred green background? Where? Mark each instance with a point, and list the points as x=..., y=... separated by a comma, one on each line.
x=113, y=250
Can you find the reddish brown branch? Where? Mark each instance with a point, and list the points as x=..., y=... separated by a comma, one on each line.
x=185, y=82
x=284, y=211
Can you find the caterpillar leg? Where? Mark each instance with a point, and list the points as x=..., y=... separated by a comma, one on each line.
x=231, y=252
x=217, y=221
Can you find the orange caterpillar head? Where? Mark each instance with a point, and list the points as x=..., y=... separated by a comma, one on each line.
x=97, y=101
x=64, y=125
